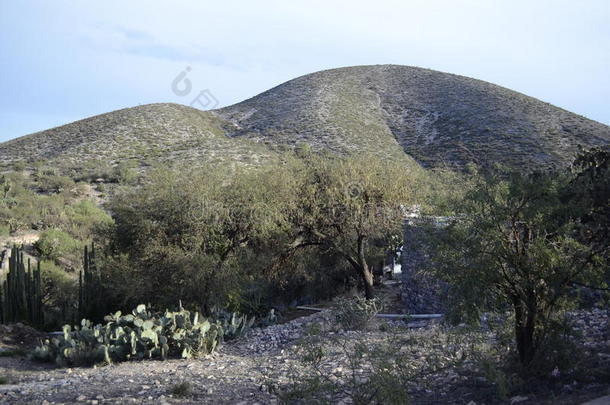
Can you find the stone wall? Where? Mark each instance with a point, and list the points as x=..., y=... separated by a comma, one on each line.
x=421, y=293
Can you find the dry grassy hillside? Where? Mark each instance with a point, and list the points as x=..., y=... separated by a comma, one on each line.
x=394, y=111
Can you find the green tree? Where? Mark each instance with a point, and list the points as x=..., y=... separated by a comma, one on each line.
x=588, y=195
x=179, y=236
x=349, y=206
x=516, y=245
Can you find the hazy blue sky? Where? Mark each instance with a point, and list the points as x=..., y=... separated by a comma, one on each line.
x=65, y=60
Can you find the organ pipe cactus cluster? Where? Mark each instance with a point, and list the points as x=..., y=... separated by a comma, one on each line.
x=21, y=292
x=90, y=287
x=139, y=335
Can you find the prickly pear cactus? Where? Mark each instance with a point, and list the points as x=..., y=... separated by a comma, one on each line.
x=234, y=324
x=139, y=335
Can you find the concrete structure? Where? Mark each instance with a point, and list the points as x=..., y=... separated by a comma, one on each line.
x=421, y=292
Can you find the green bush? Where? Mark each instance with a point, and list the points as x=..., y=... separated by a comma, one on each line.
x=83, y=217
x=55, y=244
x=126, y=173
x=139, y=335
x=60, y=295
x=517, y=245
x=179, y=235
x=54, y=184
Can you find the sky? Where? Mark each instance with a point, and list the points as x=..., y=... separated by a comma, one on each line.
x=61, y=61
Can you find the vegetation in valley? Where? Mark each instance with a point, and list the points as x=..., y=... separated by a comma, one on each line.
x=228, y=244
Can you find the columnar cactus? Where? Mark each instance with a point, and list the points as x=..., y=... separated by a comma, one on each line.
x=21, y=292
x=90, y=285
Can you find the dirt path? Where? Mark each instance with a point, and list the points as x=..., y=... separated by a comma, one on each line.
x=25, y=239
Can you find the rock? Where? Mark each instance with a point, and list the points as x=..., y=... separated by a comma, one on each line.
x=599, y=401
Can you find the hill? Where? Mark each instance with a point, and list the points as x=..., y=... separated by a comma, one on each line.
x=148, y=134
x=436, y=118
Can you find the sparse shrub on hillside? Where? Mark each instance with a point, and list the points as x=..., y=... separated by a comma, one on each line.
x=52, y=183
x=83, y=217
x=19, y=166
x=126, y=173
x=93, y=170
x=22, y=208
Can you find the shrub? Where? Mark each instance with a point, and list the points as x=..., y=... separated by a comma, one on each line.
x=357, y=313
x=344, y=368
x=55, y=244
x=84, y=216
x=59, y=295
x=180, y=235
x=182, y=389
x=126, y=173
x=54, y=184
x=369, y=376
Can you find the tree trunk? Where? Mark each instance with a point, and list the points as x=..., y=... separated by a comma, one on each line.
x=525, y=323
x=365, y=270
x=367, y=277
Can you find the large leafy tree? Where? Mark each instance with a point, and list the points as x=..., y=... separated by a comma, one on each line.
x=351, y=207
x=515, y=245
x=179, y=235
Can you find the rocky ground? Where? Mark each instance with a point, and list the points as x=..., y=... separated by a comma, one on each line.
x=242, y=371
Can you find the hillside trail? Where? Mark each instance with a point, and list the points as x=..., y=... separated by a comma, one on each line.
x=25, y=239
